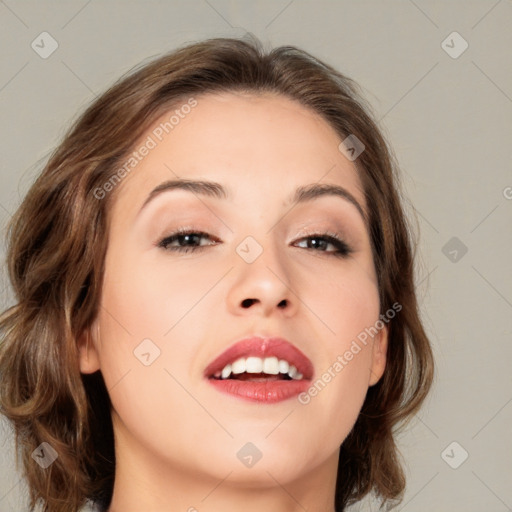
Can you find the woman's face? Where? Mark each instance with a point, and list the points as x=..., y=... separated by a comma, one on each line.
x=165, y=315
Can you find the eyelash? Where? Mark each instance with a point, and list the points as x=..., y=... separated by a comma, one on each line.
x=342, y=249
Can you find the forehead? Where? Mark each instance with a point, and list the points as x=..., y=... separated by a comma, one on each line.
x=256, y=144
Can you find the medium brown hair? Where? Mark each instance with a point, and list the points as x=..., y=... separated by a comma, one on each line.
x=57, y=242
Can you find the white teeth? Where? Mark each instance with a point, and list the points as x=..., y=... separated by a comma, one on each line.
x=283, y=366
x=271, y=365
x=253, y=365
x=238, y=366
x=268, y=365
x=226, y=371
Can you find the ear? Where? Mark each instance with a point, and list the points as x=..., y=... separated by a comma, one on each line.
x=379, y=351
x=87, y=350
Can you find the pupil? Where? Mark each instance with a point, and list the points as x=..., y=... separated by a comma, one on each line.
x=315, y=242
x=188, y=238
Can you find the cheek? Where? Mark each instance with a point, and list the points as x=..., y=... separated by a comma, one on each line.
x=345, y=301
x=347, y=306
x=152, y=323
x=151, y=296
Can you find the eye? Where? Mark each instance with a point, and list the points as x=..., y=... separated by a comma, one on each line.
x=322, y=240
x=189, y=238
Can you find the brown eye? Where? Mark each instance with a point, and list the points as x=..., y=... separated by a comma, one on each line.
x=184, y=241
x=321, y=241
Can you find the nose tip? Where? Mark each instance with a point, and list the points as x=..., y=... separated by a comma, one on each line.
x=262, y=286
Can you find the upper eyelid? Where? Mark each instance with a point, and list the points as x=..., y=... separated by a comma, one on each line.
x=342, y=214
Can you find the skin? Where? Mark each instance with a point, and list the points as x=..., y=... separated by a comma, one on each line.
x=176, y=436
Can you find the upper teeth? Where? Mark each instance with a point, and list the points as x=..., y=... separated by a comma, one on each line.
x=270, y=365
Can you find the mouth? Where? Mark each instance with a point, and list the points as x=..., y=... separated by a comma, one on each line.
x=261, y=369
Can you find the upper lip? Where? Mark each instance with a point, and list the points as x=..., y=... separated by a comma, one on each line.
x=262, y=346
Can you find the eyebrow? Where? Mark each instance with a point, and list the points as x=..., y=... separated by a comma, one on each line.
x=217, y=191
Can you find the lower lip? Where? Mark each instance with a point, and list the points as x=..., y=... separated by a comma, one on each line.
x=266, y=392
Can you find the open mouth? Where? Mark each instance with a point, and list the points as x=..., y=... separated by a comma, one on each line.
x=261, y=370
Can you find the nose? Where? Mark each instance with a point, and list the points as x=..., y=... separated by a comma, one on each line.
x=262, y=287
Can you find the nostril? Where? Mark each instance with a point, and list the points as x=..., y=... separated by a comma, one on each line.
x=248, y=302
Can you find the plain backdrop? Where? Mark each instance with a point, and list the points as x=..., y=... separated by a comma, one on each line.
x=439, y=77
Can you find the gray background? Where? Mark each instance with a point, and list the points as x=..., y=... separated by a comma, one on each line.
x=450, y=123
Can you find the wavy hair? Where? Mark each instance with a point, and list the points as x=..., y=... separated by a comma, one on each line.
x=57, y=243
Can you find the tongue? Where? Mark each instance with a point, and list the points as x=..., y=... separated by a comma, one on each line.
x=257, y=377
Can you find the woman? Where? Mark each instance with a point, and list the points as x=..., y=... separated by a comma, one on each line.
x=215, y=295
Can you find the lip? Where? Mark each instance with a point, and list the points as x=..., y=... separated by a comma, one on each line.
x=268, y=391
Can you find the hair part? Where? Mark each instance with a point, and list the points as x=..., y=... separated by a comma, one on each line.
x=57, y=242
